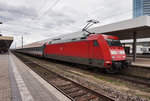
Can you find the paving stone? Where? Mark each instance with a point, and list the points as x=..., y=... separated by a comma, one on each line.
x=5, y=93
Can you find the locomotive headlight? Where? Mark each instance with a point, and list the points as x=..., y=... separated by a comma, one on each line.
x=122, y=52
x=124, y=56
x=113, y=57
x=113, y=52
x=107, y=61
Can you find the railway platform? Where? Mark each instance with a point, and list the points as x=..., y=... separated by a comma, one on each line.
x=141, y=62
x=19, y=83
x=140, y=68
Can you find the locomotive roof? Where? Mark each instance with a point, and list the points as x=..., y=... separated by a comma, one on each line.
x=90, y=37
x=68, y=40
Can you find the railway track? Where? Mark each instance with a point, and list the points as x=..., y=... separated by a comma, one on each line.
x=124, y=77
x=133, y=79
x=128, y=78
x=71, y=89
x=121, y=76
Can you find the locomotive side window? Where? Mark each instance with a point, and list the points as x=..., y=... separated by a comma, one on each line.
x=95, y=43
x=49, y=42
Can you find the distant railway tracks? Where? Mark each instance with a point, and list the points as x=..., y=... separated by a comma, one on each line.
x=71, y=89
x=133, y=79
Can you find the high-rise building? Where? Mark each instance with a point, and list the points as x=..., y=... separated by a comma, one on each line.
x=141, y=7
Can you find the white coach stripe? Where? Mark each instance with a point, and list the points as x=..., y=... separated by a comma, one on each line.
x=24, y=92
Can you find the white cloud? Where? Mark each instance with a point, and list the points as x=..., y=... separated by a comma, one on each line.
x=19, y=16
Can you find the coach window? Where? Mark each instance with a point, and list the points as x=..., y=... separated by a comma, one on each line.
x=95, y=43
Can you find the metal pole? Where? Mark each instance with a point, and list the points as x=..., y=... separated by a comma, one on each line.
x=124, y=45
x=22, y=41
x=134, y=45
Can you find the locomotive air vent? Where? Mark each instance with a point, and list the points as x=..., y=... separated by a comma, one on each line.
x=74, y=39
x=57, y=39
x=83, y=38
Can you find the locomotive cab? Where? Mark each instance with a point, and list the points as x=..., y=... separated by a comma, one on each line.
x=116, y=50
x=117, y=53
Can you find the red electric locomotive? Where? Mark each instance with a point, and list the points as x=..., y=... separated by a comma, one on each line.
x=96, y=50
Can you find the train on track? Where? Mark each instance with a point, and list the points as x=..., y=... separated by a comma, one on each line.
x=92, y=50
x=145, y=50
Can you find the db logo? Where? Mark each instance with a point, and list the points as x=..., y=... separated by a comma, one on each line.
x=118, y=56
x=61, y=48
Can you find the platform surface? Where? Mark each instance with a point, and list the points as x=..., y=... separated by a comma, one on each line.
x=143, y=62
x=5, y=94
x=19, y=83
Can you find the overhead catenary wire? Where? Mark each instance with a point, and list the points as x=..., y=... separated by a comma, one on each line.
x=117, y=1
x=44, y=13
x=131, y=10
x=41, y=16
x=47, y=11
x=39, y=10
x=43, y=4
x=120, y=13
x=35, y=22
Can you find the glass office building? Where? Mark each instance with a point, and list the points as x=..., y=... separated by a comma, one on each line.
x=141, y=7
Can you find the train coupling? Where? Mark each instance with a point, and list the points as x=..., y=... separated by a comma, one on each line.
x=126, y=64
x=118, y=65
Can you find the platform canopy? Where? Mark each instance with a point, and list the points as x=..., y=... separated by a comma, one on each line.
x=5, y=43
x=125, y=29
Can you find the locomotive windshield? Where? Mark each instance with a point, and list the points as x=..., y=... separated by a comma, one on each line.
x=113, y=42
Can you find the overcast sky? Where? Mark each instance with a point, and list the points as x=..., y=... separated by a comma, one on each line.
x=24, y=17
